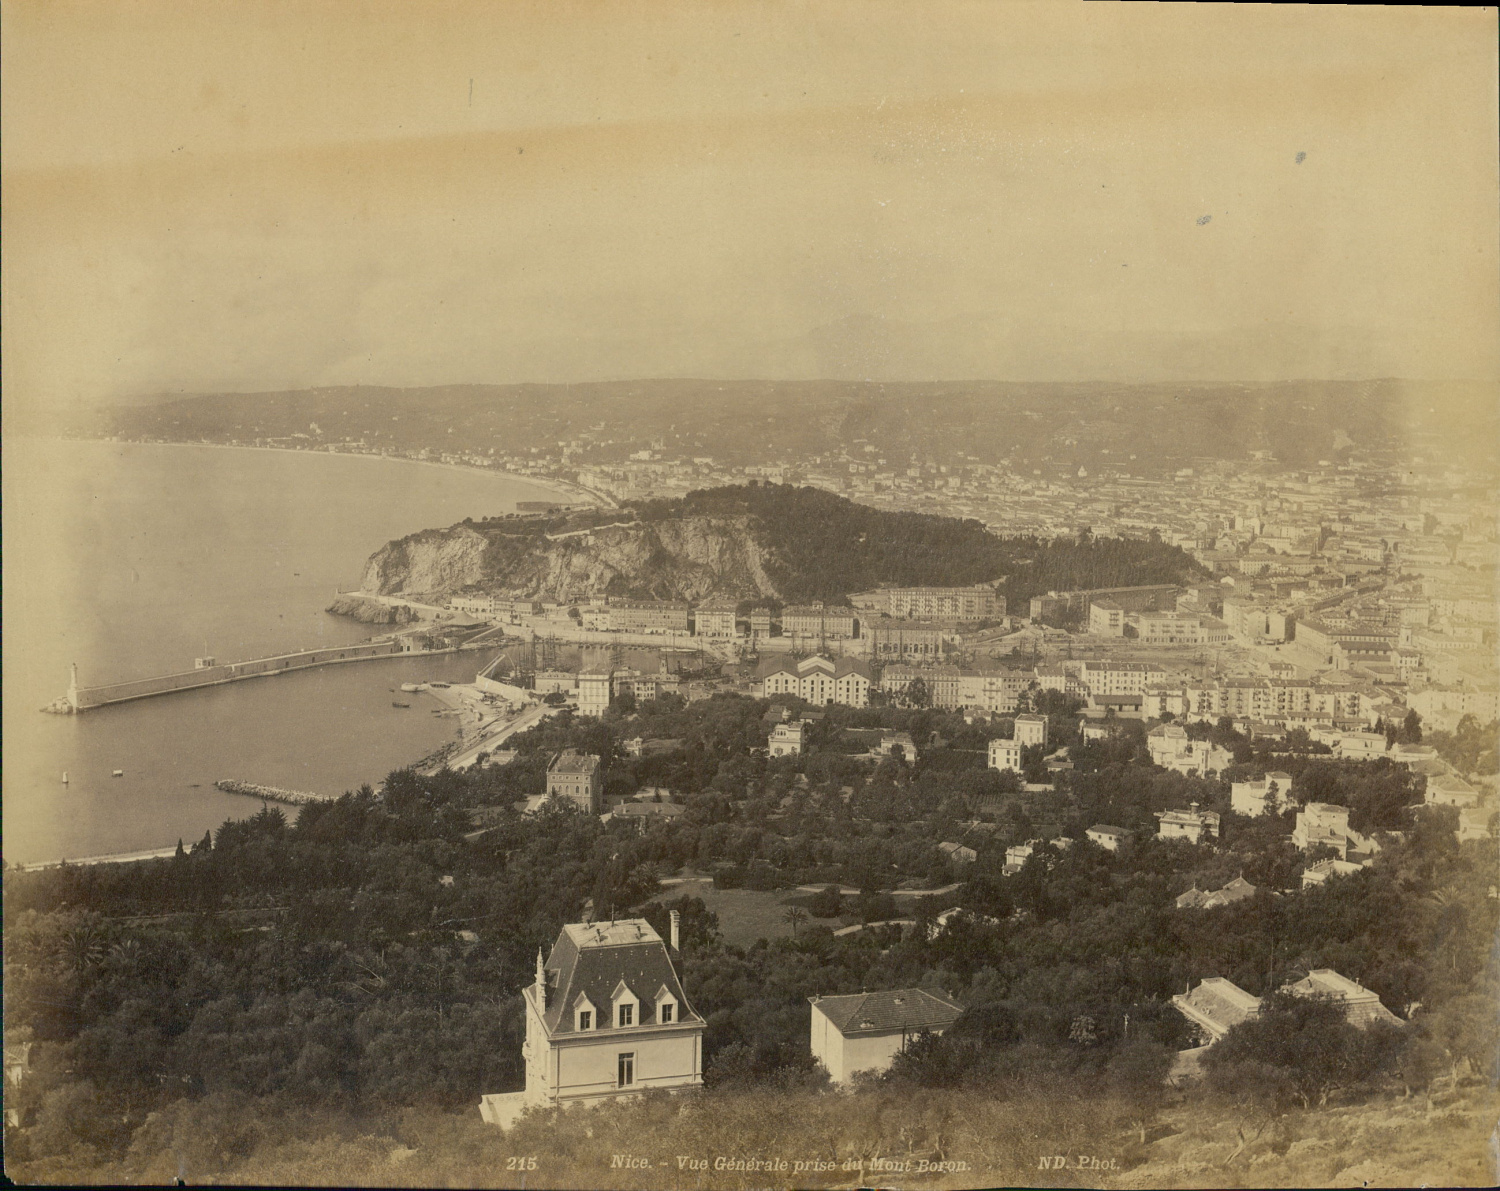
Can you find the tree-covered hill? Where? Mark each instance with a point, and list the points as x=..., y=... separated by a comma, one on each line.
x=755, y=541
x=828, y=547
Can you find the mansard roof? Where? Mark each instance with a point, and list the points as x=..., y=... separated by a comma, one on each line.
x=597, y=959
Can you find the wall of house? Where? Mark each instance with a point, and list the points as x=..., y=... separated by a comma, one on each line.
x=589, y=1065
x=866, y=1052
x=827, y=1044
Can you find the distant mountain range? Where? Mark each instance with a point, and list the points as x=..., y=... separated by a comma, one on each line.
x=1127, y=427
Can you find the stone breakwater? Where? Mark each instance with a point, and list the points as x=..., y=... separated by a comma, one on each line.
x=272, y=793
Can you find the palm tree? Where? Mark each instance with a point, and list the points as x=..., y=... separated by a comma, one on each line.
x=795, y=917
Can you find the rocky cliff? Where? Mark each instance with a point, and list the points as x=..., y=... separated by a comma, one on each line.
x=370, y=611
x=684, y=558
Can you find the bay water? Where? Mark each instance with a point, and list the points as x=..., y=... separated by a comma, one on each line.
x=133, y=559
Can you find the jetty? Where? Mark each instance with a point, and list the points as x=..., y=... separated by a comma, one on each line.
x=208, y=672
x=273, y=793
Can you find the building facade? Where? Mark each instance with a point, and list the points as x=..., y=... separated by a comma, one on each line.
x=819, y=680
x=648, y=616
x=979, y=602
x=578, y=778
x=1005, y=754
x=786, y=740
x=606, y=1017
x=715, y=618
x=820, y=622
x=1193, y=825
x=595, y=690
x=1265, y=795
x=1030, y=730
x=894, y=640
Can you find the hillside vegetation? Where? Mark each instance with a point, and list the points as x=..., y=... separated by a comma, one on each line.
x=326, y=1000
x=753, y=541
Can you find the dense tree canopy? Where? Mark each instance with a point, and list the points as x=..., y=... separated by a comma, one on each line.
x=369, y=953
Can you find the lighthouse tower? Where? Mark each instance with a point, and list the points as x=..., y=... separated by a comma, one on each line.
x=73, y=686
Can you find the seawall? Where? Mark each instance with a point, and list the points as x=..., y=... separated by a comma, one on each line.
x=88, y=698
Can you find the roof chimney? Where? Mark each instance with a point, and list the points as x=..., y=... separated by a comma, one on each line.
x=676, y=929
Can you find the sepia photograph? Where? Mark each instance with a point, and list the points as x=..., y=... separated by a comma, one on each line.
x=867, y=594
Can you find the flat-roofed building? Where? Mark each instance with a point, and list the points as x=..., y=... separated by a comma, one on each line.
x=1118, y=678
x=649, y=616
x=897, y=640
x=1264, y=795
x=595, y=690
x=786, y=740
x=1192, y=824
x=715, y=619
x=1106, y=619
x=1005, y=754
x=819, y=621
x=978, y=602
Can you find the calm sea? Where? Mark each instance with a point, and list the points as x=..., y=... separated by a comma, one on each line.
x=133, y=559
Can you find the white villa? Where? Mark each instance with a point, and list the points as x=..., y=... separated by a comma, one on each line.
x=1005, y=754
x=1264, y=796
x=605, y=1018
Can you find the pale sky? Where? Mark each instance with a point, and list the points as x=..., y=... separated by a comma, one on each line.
x=241, y=196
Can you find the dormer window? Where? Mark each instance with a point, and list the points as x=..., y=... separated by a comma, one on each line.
x=585, y=1020
x=583, y=1013
x=666, y=1006
x=625, y=1005
x=664, y=1013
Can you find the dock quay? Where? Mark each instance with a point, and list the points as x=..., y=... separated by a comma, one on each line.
x=272, y=793
x=209, y=673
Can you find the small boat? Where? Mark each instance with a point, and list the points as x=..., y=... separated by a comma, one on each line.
x=65, y=777
x=118, y=773
x=395, y=704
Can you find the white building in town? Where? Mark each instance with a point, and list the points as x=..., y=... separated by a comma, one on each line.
x=786, y=739
x=1031, y=729
x=1192, y=824
x=1005, y=754
x=1265, y=795
x=820, y=680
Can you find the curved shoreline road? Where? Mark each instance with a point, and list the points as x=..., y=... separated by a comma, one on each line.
x=489, y=737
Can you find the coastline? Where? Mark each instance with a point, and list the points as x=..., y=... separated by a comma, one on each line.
x=557, y=487
x=96, y=841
